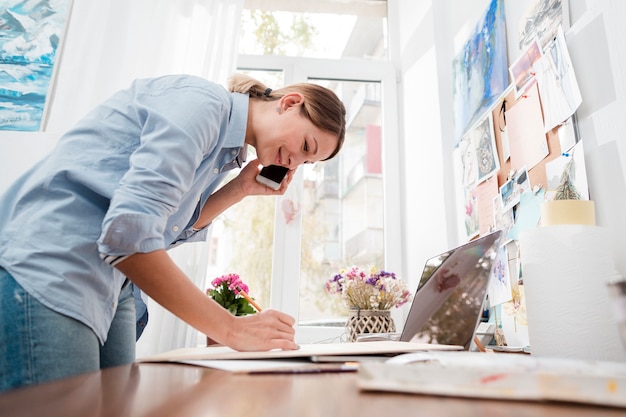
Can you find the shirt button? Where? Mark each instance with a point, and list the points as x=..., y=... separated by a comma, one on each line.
x=175, y=228
x=216, y=171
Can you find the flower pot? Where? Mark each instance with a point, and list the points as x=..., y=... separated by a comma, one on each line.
x=369, y=321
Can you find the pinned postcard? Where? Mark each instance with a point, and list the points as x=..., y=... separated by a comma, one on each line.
x=468, y=162
x=499, y=289
x=560, y=94
x=471, y=219
x=528, y=213
x=555, y=168
x=503, y=220
x=568, y=133
x=527, y=137
x=542, y=20
x=486, y=191
x=511, y=190
x=484, y=142
x=522, y=71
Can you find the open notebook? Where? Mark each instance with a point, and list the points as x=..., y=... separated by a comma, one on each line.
x=443, y=316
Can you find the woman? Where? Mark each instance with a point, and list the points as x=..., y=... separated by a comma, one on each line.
x=136, y=176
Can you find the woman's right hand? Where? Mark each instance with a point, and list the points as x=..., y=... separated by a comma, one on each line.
x=267, y=330
x=161, y=279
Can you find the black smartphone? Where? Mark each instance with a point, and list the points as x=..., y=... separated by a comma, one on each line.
x=272, y=176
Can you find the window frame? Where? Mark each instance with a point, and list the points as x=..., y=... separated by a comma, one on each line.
x=284, y=289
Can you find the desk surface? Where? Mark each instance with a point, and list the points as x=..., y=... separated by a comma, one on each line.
x=165, y=390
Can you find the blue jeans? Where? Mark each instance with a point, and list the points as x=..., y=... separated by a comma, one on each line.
x=38, y=344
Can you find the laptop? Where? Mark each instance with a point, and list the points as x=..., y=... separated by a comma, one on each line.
x=448, y=303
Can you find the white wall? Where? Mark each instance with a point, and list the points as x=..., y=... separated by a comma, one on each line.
x=595, y=42
x=424, y=35
x=412, y=48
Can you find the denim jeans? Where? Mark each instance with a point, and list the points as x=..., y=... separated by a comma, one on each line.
x=38, y=344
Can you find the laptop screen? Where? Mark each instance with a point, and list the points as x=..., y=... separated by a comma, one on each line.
x=449, y=299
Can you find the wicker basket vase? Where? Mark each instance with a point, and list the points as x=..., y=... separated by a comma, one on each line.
x=369, y=321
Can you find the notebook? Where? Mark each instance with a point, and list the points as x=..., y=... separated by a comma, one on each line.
x=448, y=303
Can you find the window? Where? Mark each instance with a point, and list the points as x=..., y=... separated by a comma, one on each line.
x=315, y=29
x=348, y=205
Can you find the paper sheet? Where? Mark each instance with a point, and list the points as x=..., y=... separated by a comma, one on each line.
x=486, y=191
x=305, y=351
x=274, y=366
x=527, y=138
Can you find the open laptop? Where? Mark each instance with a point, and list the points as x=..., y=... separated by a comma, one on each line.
x=448, y=303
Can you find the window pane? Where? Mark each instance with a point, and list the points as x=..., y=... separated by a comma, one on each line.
x=327, y=29
x=342, y=204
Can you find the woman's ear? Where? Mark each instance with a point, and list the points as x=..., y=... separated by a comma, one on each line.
x=290, y=100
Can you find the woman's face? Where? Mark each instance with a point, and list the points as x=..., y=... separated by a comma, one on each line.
x=290, y=139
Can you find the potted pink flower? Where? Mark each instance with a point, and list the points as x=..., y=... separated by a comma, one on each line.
x=228, y=291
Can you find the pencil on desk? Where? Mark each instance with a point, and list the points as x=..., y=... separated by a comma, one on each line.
x=479, y=344
x=249, y=299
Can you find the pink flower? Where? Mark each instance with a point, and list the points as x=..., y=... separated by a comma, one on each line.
x=290, y=210
x=233, y=281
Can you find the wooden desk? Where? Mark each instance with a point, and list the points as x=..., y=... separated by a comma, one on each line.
x=171, y=390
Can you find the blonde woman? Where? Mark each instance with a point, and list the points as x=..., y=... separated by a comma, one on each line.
x=136, y=176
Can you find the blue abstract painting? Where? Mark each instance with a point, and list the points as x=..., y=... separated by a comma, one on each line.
x=30, y=35
x=480, y=70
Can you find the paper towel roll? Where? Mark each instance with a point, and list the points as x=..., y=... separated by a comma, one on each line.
x=566, y=269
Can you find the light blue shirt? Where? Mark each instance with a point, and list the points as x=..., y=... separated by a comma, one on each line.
x=131, y=177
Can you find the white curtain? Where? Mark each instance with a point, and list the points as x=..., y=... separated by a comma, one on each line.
x=108, y=44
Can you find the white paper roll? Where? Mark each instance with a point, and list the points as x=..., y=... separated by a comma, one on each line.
x=566, y=269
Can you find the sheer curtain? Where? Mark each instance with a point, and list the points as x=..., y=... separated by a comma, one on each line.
x=107, y=45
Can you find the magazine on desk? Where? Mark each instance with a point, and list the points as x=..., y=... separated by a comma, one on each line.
x=499, y=376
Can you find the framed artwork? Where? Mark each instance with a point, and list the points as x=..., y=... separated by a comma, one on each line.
x=480, y=70
x=31, y=34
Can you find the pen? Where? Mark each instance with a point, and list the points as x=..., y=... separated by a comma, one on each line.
x=249, y=299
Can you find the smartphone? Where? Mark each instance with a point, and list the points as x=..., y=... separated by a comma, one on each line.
x=272, y=176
